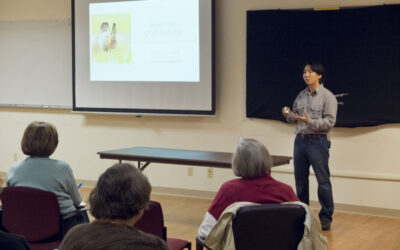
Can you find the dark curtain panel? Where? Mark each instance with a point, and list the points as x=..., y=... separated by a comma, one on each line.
x=359, y=47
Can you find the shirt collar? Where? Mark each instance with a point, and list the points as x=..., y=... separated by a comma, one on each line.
x=317, y=90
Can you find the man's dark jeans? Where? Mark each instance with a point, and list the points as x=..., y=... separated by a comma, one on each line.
x=315, y=152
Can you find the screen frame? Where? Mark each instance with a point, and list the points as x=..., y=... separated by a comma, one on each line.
x=142, y=111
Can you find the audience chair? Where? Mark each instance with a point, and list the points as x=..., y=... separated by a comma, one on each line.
x=266, y=227
x=33, y=213
x=152, y=222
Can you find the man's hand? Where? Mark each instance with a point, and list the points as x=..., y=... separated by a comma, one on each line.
x=285, y=111
x=304, y=118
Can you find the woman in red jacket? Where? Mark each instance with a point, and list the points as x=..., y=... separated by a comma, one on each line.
x=252, y=163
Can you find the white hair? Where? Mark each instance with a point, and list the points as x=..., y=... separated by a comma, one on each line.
x=251, y=159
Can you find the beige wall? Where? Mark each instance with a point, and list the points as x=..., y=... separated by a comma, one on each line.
x=364, y=161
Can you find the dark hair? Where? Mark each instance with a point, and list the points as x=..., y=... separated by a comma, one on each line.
x=104, y=24
x=39, y=139
x=120, y=193
x=318, y=68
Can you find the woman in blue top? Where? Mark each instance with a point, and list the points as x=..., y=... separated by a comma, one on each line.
x=39, y=171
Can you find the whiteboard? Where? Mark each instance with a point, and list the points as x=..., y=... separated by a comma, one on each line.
x=36, y=63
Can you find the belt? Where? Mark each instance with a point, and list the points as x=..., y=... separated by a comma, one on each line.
x=311, y=136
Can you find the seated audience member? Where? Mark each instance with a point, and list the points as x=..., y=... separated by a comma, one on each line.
x=13, y=242
x=39, y=171
x=252, y=162
x=117, y=203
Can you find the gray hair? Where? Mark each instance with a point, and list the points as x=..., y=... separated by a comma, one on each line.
x=251, y=159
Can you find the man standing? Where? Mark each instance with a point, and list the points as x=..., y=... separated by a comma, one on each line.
x=314, y=110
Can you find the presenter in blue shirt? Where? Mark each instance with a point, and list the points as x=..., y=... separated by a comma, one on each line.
x=314, y=111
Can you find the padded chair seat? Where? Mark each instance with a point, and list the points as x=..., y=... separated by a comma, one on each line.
x=174, y=243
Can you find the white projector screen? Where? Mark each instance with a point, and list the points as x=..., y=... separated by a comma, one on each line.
x=143, y=56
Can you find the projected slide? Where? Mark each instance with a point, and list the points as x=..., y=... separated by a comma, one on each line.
x=144, y=41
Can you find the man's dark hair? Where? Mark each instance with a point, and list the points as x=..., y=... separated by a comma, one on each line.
x=120, y=193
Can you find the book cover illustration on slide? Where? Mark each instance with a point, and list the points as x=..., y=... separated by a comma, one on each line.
x=111, y=39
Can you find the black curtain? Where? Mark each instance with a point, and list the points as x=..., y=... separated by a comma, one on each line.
x=359, y=47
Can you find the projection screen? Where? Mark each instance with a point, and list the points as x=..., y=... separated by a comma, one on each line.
x=144, y=56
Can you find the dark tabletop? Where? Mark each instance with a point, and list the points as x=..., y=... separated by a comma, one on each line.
x=179, y=156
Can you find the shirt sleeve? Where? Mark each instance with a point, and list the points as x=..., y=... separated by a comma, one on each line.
x=290, y=118
x=72, y=189
x=10, y=178
x=224, y=197
x=328, y=119
x=206, y=225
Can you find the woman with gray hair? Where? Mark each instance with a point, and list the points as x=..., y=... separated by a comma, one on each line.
x=117, y=202
x=252, y=163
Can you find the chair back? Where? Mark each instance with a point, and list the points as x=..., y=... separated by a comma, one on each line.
x=30, y=212
x=152, y=221
x=269, y=227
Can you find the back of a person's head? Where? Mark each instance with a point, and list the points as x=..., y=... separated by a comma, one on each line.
x=251, y=159
x=121, y=192
x=39, y=139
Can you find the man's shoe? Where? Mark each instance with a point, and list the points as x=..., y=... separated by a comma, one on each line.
x=326, y=225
